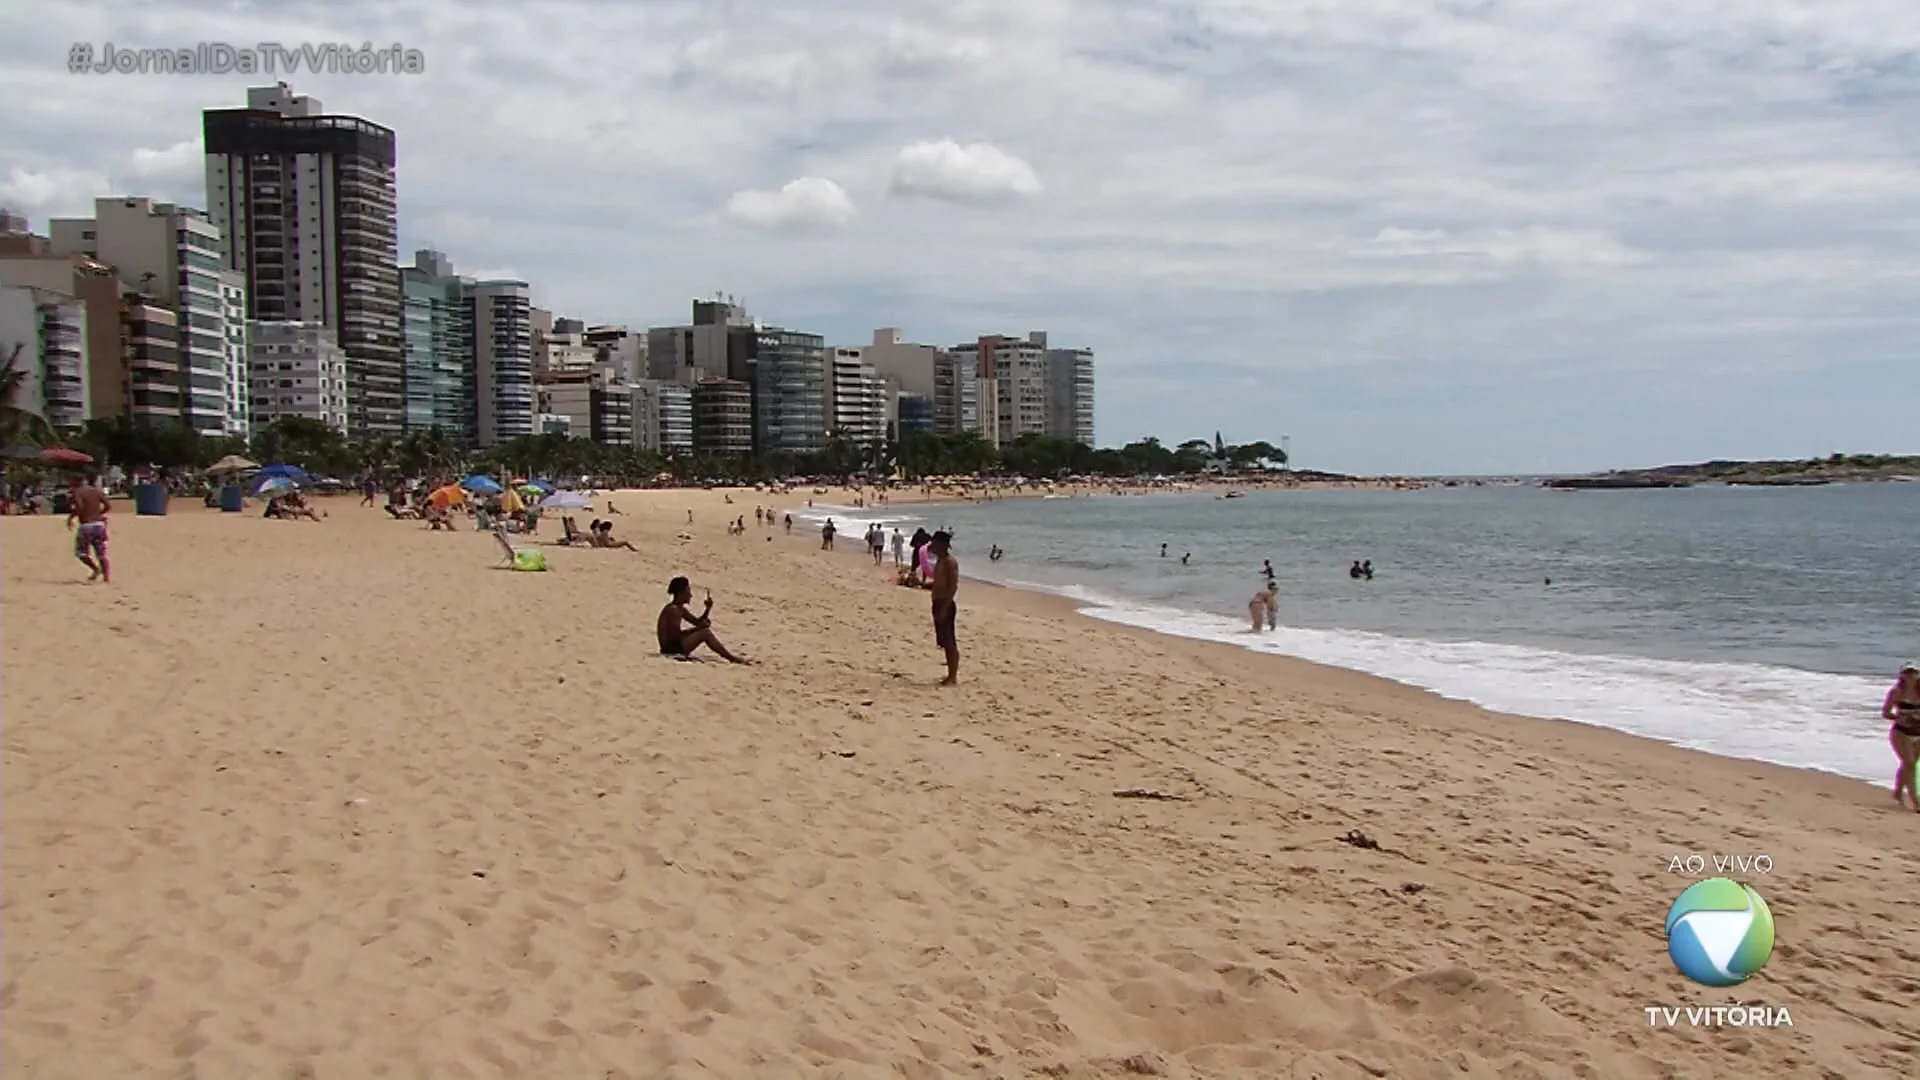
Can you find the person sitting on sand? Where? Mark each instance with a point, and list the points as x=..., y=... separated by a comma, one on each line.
x=296, y=506
x=603, y=537
x=681, y=632
x=1902, y=707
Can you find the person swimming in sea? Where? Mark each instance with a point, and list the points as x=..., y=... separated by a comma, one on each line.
x=1902, y=707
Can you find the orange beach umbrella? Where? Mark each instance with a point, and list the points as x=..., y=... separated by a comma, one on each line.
x=451, y=495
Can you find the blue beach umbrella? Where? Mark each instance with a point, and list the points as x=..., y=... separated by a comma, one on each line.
x=291, y=472
x=273, y=487
x=481, y=485
x=545, y=486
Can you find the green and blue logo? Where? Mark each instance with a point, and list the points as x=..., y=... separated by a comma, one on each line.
x=1719, y=932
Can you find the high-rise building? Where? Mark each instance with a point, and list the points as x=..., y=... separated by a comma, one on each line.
x=502, y=360
x=1027, y=388
x=29, y=261
x=618, y=348
x=720, y=343
x=789, y=392
x=299, y=370
x=662, y=417
x=150, y=344
x=723, y=417
x=48, y=329
x=560, y=347
x=306, y=205
x=170, y=254
x=598, y=405
x=1070, y=394
x=856, y=398
x=956, y=394
x=914, y=414
x=238, y=356
x=437, y=317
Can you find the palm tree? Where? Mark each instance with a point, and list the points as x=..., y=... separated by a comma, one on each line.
x=19, y=420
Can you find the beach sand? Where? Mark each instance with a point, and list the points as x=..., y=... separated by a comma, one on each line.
x=340, y=800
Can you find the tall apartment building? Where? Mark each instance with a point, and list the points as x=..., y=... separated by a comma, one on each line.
x=502, y=360
x=662, y=417
x=720, y=343
x=1070, y=394
x=856, y=398
x=789, y=392
x=306, y=206
x=49, y=330
x=723, y=417
x=29, y=261
x=437, y=319
x=598, y=405
x=1027, y=388
x=238, y=352
x=299, y=370
x=150, y=345
x=170, y=254
x=914, y=415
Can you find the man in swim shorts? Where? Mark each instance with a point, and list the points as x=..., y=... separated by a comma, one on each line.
x=946, y=583
x=88, y=505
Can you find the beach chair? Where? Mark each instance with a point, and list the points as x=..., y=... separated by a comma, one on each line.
x=570, y=533
x=519, y=558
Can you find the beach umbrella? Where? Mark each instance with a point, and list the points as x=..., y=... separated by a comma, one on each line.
x=60, y=455
x=530, y=491
x=481, y=485
x=545, y=486
x=232, y=463
x=275, y=486
x=292, y=472
x=566, y=500
x=451, y=495
x=510, y=502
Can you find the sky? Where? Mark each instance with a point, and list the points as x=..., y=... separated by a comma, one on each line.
x=1411, y=236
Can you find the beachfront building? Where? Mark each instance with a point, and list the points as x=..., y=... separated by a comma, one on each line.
x=502, y=360
x=914, y=415
x=1027, y=388
x=437, y=347
x=723, y=417
x=171, y=255
x=560, y=347
x=856, y=398
x=150, y=345
x=29, y=261
x=299, y=370
x=662, y=417
x=789, y=392
x=956, y=394
x=44, y=333
x=305, y=203
x=618, y=348
x=1070, y=394
x=237, y=355
x=720, y=343
x=597, y=404
x=930, y=372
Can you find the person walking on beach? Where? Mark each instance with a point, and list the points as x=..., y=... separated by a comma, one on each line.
x=1902, y=707
x=946, y=583
x=826, y=535
x=87, y=505
x=1262, y=610
x=899, y=548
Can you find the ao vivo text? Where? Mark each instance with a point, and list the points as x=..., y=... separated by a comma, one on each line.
x=1721, y=865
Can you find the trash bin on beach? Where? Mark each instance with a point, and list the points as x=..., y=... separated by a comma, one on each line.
x=60, y=503
x=231, y=501
x=150, y=500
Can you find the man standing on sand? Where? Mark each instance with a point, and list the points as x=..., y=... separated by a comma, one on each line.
x=946, y=582
x=88, y=505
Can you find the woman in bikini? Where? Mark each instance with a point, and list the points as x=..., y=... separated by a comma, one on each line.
x=1902, y=707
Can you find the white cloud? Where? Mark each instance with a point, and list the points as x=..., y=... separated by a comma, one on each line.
x=974, y=173
x=1305, y=194
x=807, y=203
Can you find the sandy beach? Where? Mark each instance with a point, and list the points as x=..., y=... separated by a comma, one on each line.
x=342, y=800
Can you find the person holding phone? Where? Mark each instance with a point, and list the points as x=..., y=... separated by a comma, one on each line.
x=681, y=632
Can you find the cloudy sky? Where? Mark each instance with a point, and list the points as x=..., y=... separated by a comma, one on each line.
x=1413, y=235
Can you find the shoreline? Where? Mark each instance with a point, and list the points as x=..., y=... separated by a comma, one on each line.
x=1081, y=609
x=444, y=818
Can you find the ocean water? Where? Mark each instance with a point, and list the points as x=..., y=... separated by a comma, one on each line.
x=1761, y=623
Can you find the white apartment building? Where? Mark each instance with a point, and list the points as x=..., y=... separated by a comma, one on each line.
x=306, y=203
x=49, y=329
x=503, y=360
x=662, y=417
x=233, y=304
x=619, y=348
x=171, y=254
x=856, y=398
x=1070, y=394
x=297, y=369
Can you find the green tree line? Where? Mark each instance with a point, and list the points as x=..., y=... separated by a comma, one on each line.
x=321, y=449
